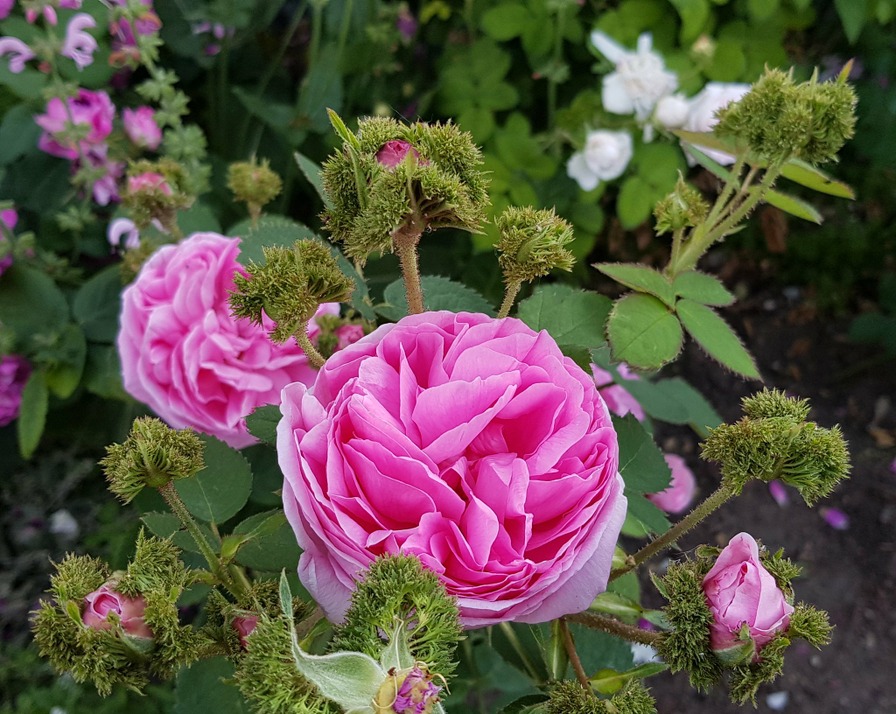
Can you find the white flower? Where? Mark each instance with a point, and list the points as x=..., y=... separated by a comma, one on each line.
x=640, y=79
x=604, y=158
x=672, y=111
x=703, y=108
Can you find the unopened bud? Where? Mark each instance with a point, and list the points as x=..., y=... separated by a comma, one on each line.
x=684, y=207
x=532, y=243
x=254, y=184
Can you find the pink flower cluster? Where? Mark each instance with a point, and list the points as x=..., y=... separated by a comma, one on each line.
x=78, y=44
x=740, y=591
x=680, y=492
x=469, y=442
x=77, y=128
x=14, y=373
x=125, y=33
x=186, y=357
x=129, y=611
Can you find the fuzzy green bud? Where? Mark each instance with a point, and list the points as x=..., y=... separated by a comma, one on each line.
x=571, y=698
x=396, y=181
x=254, y=184
x=780, y=119
x=152, y=455
x=397, y=589
x=156, y=190
x=531, y=243
x=289, y=287
x=779, y=444
x=682, y=208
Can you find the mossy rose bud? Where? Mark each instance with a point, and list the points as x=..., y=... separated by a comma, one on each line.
x=408, y=692
x=747, y=605
x=127, y=611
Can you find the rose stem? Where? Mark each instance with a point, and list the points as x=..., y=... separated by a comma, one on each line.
x=615, y=627
x=713, y=501
x=513, y=289
x=573, y=654
x=314, y=357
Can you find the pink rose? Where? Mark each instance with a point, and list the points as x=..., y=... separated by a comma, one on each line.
x=91, y=109
x=469, y=442
x=186, y=357
x=244, y=625
x=348, y=334
x=14, y=373
x=394, y=152
x=100, y=603
x=740, y=591
x=141, y=127
x=680, y=492
x=618, y=400
x=149, y=181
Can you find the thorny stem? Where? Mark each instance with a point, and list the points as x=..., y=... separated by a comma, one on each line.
x=510, y=293
x=615, y=627
x=574, y=660
x=314, y=357
x=712, y=502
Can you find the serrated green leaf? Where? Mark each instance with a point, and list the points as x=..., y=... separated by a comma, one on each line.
x=271, y=552
x=807, y=175
x=702, y=287
x=32, y=413
x=271, y=230
x=30, y=302
x=641, y=278
x=616, y=605
x=791, y=204
x=643, y=332
x=572, y=317
x=311, y=171
x=222, y=488
x=655, y=402
x=97, y=304
x=701, y=416
x=68, y=355
x=853, y=15
x=647, y=515
x=167, y=525
x=641, y=462
x=204, y=687
x=609, y=681
x=634, y=204
x=694, y=15
x=505, y=21
x=267, y=478
x=439, y=293
x=716, y=337
x=256, y=527
x=262, y=423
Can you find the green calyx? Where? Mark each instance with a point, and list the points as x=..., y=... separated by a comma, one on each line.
x=437, y=184
x=152, y=455
x=532, y=243
x=397, y=589
x=289, y=287
x=682, y=208
x=780, y=119
x=773, y=441
x=569, y=697
x=254, y=184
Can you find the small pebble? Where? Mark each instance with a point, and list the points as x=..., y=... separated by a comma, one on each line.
x=777, y=701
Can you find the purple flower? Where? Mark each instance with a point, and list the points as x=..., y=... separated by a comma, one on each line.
x=125, y=32
x=779, y=492
x=123, y=228
x=406, y=24
x=8, y=218
x=417, y=694
x=835, y=518
x=80, y=45
x=91, y=109
x=19, y=51
x=6, y=8
x=14, y=372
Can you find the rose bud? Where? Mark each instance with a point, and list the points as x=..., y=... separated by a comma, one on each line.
x=245, y=626
x=747, y=605
x=394, y=152
x=99, y=603
x=679, y=494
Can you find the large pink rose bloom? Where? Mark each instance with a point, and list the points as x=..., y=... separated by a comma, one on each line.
x=186, y=357
x=740, y=591
x=470, y=442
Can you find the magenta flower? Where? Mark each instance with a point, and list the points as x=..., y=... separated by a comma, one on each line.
x=183, y=354
x=79, y=45
x=835, y=518
x=469, y=442
x=14, y=373
x=93, y=110
x=124, y=32
x=19, y=53
x=104, y=188
x=394, y=152
x=8, y=218
x=618, y=400
x=417, y=694
x=680, y=492
x=244, y=625
x=141, y=127
x=129, y=611
x=348, y=334
x=149, y=181
x=47, y=11
x=6, y=8
x=778, y=492
x=739, y=590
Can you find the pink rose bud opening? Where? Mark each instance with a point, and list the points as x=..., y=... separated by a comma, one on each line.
x=394, y=152
x=245, y=626
x=618, y=400
x=149, y=181
x=680, y=492
x=740, y=591
x=469, y=442
x=99, y=603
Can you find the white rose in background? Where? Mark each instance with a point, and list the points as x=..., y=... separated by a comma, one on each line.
x=703, y=108
x=604, y=158
x=640, y=80
x=672, y=111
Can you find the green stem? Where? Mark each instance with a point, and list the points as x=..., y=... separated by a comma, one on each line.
x=510, y=293
x=316, y=30
x=514, y=641
x=405, y=239
x=615, y=627
x=169, y=493
x=713, y=502
x=557, y=58
x=573, y=655
x=314, y=357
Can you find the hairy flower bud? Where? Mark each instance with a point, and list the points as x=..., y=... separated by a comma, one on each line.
x=155, y=191
x=571, y=698
x=152, y=455
x=254, y=184
x=682, y=208
x=531, y=243
x=126, y=611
